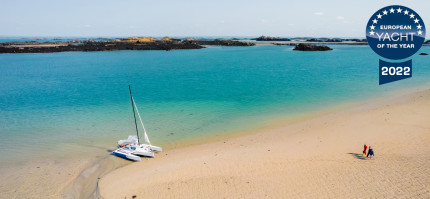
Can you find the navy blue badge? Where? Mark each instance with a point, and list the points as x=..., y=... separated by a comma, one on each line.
x=390, y=72
x=395, y=32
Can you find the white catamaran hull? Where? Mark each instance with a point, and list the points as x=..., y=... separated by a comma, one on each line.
x=138, y=150
x=154, y=148
x=120, y=152
x=144, y=152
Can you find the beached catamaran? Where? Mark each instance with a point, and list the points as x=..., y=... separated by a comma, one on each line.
x=131, y=147
x=125, y=153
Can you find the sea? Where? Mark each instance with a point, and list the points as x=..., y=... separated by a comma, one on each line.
x=70, y=103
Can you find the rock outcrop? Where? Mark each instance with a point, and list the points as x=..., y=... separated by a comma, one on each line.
x=311, y=47
x=284, y=44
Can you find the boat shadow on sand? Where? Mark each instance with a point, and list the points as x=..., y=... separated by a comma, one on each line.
x=357, y=156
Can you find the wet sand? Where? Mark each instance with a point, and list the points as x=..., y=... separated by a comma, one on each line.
x=68, y=177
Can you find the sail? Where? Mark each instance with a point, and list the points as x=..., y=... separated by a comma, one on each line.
x=145, y=136
x=132, y=139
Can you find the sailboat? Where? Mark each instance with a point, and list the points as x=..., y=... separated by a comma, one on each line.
x=131, y=147
x=135, y=139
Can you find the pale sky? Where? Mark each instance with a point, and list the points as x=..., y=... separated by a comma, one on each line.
x=93, y=18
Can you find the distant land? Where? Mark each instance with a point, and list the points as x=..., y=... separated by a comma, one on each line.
x=268, y=38
x=309, y=39
x=130, y=43
x=168, y=43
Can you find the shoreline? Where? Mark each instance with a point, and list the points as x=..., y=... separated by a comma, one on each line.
x=353, y=108
x=270, y=125
x=83, y=179
x=278, y=121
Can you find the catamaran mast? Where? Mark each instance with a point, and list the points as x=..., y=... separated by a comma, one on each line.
x=134, y=114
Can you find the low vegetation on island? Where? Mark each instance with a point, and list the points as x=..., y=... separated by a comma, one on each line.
x=130, y=43
x=267, y=38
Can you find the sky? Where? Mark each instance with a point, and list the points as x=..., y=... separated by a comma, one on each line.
x=115, y=18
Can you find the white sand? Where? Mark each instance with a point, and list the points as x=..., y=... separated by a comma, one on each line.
x=317, y=157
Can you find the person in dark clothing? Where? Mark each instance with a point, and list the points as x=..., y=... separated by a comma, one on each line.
x=370, y=153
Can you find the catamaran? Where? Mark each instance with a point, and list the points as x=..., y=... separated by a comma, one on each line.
x=132, y=143
x=132, y=146
x=132, y=139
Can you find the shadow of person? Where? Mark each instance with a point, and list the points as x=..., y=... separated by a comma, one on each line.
x=357, y=156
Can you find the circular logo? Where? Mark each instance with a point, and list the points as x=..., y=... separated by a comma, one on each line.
x=395, y=32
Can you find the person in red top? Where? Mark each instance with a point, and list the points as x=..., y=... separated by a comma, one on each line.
x=365, y=148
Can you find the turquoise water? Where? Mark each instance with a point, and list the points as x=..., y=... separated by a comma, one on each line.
x=71, y=102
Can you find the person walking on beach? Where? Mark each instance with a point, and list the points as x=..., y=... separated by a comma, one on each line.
x=365, y=149
x=370, y=153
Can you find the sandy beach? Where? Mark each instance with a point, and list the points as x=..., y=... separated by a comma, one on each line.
x=318, y=156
